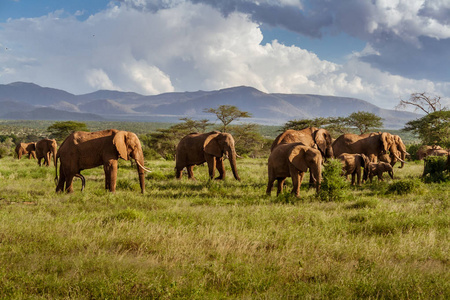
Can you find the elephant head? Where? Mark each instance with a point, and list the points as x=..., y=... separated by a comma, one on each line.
x=304, y=158
x=398, y=151
x=128, y=146
x=387, y=141
x=323, y=140
x=217, y=144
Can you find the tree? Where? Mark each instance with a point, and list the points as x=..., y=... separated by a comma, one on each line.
x=248, y=141
x=227, y=114
x=304, y=123
x=364, y=121
x=60, y=130
x=433, y=128
x=423, y=102
x=193, y=125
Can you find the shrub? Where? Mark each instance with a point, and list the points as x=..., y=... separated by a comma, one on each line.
x=402, y=187
x=333, y=183
x=6, y=148
x=435, y=169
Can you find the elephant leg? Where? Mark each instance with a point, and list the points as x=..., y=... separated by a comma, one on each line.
x=358, y=176
x=311, y=180
x=220, y=168
x=353, y=178
x=269, y=186
x=178, y=172
x=297, y=182
x=61, y=180
x=280, y=181
x=106, y=170
x=69, y=183
x=110, y=175
x=47, y=159
x=190, y=171
x=380, y=176
x=39, y=161
x=211, y=161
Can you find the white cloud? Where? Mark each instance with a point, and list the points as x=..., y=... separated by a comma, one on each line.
x=183, y=47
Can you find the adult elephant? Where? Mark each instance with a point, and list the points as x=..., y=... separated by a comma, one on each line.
x=26, y=148
x=311, y=136
x=293, y=160
x=371, y=145
x=85, y=150
x=45, y=148
x=197, y=148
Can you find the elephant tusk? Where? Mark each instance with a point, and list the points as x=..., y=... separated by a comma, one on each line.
x=143, y=168
x=399, y=158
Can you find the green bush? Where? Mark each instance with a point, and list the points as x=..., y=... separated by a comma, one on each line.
x=402, y=187
x=333, y=186
x=6, y=148
x=435, y=169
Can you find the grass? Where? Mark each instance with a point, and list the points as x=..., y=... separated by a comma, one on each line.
x=219, y=240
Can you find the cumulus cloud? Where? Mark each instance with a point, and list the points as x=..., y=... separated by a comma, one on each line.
x=158, y=46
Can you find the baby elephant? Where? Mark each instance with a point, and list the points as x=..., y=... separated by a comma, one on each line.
x=378, y=169
x=293, y=160
x=352, y=164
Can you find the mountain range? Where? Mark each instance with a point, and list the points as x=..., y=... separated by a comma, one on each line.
x=28, y=101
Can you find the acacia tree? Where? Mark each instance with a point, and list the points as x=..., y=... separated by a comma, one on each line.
x=364, y=121
x=423, y=102
x=194, y=125
x=60, y=130
x=434, y=127
x=227, y=114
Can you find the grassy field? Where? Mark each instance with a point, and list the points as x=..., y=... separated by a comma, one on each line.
x=219, y=240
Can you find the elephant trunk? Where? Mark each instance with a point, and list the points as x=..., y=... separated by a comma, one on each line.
x=403, y=156
x=141, y=171
x=232, y=156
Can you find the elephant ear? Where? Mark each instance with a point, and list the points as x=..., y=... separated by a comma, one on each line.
x=322, y=139
x=211, y=145
x=120, y=142
x=298, y=158
x=386, y=140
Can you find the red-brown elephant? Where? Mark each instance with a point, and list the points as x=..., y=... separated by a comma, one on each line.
x=45, y=148
x=85, y=150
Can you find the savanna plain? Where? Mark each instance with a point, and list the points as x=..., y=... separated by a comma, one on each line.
x=219, y=240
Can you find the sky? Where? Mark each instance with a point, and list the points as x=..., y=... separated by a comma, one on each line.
x=380, y=51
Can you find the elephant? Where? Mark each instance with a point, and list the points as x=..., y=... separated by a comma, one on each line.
x=438, y=152
x=352, y=164
x=45, y=148
x=85, y=150
x=310, y=136
x=198, y=148
x=293, y=160
x=370, y=144
x=425, y=150
x=378, y=169
x=26, y=148
x=318, y=138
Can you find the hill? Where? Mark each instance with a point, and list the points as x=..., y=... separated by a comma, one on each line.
x=22, y=99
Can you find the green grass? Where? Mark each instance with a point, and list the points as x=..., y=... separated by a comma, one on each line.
x=220, y=240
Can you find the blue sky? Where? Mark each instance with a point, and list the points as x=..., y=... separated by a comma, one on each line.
x=379, y=51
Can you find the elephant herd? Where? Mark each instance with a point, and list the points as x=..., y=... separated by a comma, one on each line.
x=293, y=153
x=43, y=149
